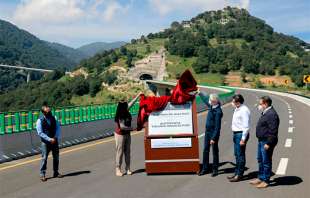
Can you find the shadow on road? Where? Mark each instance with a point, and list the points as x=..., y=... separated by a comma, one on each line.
x=286, y=181
x=228, y=170
x=138, y=171
x=72, y=174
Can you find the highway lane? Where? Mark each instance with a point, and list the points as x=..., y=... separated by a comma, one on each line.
x=89, y=168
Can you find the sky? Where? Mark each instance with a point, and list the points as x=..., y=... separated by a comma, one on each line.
x=78, y=22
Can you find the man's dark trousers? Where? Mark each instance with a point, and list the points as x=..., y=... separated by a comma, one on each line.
x=206, y=151
x=45, y=149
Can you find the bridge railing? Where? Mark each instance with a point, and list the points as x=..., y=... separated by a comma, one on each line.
x=21, y=121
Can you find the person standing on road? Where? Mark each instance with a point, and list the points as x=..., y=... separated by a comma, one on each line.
x=212, y=132
x=267, y=134
x=122, y=136
x=48, y=128
x=240, y=127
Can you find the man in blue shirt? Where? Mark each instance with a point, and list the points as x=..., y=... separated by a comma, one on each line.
x=212, y=133
x=48, y=128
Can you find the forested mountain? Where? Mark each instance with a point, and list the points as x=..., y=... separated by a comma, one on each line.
x=72, y=54
x=19, y=47
x=99, y=47
x=228, y=40
x=232, y=39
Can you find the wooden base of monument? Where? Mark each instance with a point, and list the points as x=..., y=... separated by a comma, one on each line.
x=173, y=160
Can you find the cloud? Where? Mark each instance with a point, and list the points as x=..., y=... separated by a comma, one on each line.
x=66, y=11
x=48, y=11
x=108, y=9
x=166, y=6
x=245, y=4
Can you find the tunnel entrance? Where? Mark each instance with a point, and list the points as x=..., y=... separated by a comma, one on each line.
x=146, y=77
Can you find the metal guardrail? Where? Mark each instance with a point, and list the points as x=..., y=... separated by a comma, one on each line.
x=16, y=122
x=22, y=121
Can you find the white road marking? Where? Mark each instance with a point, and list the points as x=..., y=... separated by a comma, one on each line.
x=290, y=116
x=288, y=143
x=291, y=122
x=282, y=166
x=289, y=112
x=290, y=129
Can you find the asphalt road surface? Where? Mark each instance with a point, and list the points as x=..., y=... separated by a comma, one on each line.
x=89, y=168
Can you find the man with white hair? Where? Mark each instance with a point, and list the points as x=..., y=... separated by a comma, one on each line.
x=212, y=132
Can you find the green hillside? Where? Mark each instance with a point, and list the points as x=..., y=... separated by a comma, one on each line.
x=19, y=47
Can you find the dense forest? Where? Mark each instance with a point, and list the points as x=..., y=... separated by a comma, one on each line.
x=232, y=39
x=18, y=47
x=52, y=88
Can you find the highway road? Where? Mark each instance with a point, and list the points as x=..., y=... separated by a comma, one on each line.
x=89, y=168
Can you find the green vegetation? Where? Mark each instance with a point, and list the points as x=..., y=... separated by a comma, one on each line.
x=18, y=47
x=241, y=42
x=92, y=49
x=52, y=88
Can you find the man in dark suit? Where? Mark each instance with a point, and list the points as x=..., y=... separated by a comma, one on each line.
x=267, y=134
x=212, y=133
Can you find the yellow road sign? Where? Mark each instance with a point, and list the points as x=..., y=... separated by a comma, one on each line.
x=306, y=78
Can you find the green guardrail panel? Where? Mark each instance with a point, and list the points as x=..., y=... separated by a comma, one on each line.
x=63, y=117
x=29, y=120
x=26, y=120
x=9, y=119
x=2, y=124
x=16, y=122
x=23, y=125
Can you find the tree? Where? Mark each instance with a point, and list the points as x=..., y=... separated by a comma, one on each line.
x=129, y=60
x=79, y=86
x=133, y=41
x=114, y=57
x=94, y=86
x=123, y=50
x=110, y=77
x=148, y=49
x=201, y=65
x=175, y=25
x=243, y=77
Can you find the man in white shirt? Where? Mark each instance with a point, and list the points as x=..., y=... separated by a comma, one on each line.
x=240, y=127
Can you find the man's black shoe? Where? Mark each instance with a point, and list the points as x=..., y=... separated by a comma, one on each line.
x=214, y=173
x=203, y=172
x=57, y=175
x=237, y=178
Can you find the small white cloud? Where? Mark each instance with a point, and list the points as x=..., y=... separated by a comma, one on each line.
x=48, y=11
x=108, y=9
x=245, y=4
x=166, y=6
